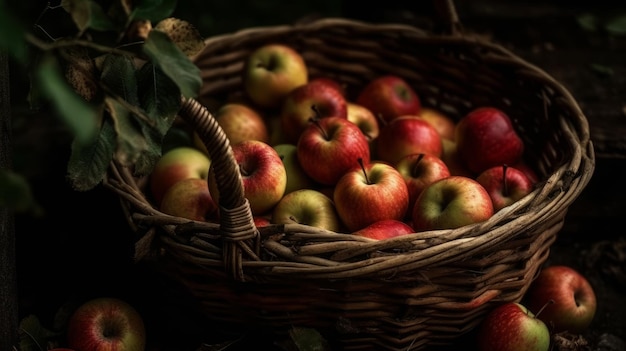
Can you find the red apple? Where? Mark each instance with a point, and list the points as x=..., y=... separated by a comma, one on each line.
x=486, y=137
x=332, y=82
x=512, y=327
x=388, y=97
x=370, y=192
x=451, y=203
x=174, y=165
x=329, y=147
x=528, y=170
x=106, y=324
x=316, y=99
x=419, y=171
x=190, y=198
x=404, y=136
x=272, y=71
x=260, y=221
x=574, y=299
x=443, y=123
x=241, y=122
x=364, y=119
x=263, y=174
x=505, y=185
x=308, y=207
x=384, y=229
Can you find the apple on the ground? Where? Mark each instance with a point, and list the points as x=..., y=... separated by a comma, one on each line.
x=370, y=192
x=263, y=175
x=308, y=207
x=272, y=71
x=451, y=203
x=486, y=137
x=419, y=171
x=384, y=229
x=297, y=178
x=329, y=147
x=190, y=198
x=241, y=122
x=174, y=165
x=512, y=327
x=388, y=97
x=106, y=324
x=574, y=300
x=505, y=185
x=407, y=135
x=316, y=99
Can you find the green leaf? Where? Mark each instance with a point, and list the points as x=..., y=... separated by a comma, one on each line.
x=12, y=38
x=616, y=25
x=87, y=14
x=130, y=143
x=33, y=336
x=601, y=69
x=153, y=10
x=164, y=53
x=88, y=163
x=118, y=73
x=16, y=193
x=78, y=114
x=308, y=339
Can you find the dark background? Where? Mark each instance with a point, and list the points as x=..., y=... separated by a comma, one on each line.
x=81, y=247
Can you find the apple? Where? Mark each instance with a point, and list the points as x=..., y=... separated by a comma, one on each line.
x=451, y=158
x=297, y=178
x=106, y=324
x=574, y=301
x=331, y=81
x=384, y=229
x=261, y=221
x=530, y=172
x=419, y=171
x=174, y=165
x=189, y=198
x=486, y=137
x=364, y=119
x=512, y=327
x=370, y=192
x=505, y=185
x=271, y=71
x=241, y=122
x=329, y=147
x=388, y=97
x=407, y=135
x=263, y=175
x=308, y=207
x=316, y=99
x=451, y=203
x=443, y=123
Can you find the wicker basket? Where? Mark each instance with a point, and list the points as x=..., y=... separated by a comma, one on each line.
x=410, y=292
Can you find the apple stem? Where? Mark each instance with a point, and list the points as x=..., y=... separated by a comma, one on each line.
x=551, y=301
x=505, y=185
x=417, y=162
x=317, y=124
x=360, y=160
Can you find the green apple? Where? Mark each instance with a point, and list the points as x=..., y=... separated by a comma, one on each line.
x=309, y=207
x=364, y=119
x=241, y=122
x=177, y=164
x=271, y=71
x=297, y=178
x=190, y=198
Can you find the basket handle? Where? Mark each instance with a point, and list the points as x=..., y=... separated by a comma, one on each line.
x=237, y=228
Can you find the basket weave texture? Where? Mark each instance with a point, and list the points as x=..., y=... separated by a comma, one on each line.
x=410, y=292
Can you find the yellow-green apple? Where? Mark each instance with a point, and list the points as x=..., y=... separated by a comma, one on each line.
x=505, y=185
x=174, y=165
x=241, y=122
x=329, y=147
x=451, y=158
x=316, y=99
x=106, y=324
x=297, y=178
x=406, y=135
x=486, y=137
x=451, y=203
x=512, y=327
x=370, y=192
x=443, y=123
x=388, y=97
x=364, y=119
x=271, y=71
x=308, y=207
x=419, y=171
x=189, y=198
x=384, y=229
x=574, y=300
x=263, y=175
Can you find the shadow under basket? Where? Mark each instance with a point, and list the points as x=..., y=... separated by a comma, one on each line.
x=411, y=292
